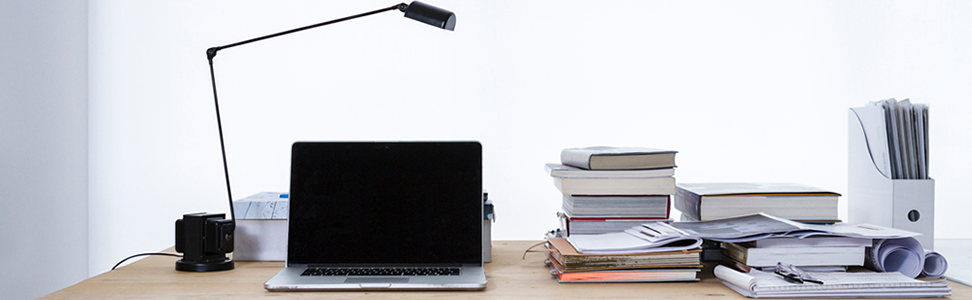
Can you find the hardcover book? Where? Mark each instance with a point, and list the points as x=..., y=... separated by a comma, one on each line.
x=618, y=158
x=709, y=201
x=750, y=255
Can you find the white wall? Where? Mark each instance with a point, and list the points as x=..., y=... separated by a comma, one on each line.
x=43, y=147
x=745, y=90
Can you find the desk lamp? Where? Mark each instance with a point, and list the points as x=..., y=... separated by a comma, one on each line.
x=203, y=238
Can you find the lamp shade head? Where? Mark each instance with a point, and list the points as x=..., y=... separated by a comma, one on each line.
x=431, y=15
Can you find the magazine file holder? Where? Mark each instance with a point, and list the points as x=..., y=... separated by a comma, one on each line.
x=875, y=198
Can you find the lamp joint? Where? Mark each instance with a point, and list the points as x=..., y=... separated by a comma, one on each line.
x=211, y=52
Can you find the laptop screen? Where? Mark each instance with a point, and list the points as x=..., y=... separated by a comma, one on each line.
x=385, y=203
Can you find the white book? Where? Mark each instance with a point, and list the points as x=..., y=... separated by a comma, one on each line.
x=585, y=227
x=616, y=186
x=802, y=208
x=564, y=171
x=802, y=256
x=586, y=206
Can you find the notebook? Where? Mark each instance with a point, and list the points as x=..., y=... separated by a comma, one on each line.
x=384, y=215
x=758, y=284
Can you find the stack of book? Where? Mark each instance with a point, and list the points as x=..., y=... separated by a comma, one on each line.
x=568, y=265
x=798, y=202
x=611, y=189
x=667, y=254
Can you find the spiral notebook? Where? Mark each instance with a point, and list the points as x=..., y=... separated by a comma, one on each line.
x=757, y=284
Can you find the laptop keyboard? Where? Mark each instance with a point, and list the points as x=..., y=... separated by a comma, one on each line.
x=380, y=272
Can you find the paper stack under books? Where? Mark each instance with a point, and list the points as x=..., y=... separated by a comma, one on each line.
x=798, y=202
x=668, y=254
x=610, y=189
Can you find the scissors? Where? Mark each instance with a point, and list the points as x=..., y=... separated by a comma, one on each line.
x=793, y=275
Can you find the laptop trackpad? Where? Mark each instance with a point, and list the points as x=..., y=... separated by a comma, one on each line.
x=376, y=280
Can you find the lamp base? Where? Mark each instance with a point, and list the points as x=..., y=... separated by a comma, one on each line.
x=205, y=266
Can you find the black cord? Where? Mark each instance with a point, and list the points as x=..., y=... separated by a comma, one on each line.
x=143, y=254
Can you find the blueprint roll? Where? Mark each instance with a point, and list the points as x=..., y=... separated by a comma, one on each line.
x=935, y=265
x=904, y=255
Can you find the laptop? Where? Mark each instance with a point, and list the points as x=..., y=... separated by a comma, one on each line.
x=384, y=215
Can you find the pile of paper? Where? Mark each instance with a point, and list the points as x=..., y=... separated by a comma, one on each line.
x=650, y=237
x=893, y=250
x=906, y=125
x=759, y=226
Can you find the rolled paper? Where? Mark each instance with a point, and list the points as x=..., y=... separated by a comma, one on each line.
x=735, y=277
x=935, y=265
x=904, y=255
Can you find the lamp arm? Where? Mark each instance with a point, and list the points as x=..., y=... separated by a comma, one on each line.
x=222, y=146
x=211, y=53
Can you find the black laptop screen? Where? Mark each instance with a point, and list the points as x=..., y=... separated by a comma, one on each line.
x=385, y=203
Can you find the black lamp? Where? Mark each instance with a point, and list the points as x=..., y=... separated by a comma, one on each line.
x=204, y=239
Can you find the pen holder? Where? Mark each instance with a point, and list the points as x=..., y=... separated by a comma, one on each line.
x=875, y=198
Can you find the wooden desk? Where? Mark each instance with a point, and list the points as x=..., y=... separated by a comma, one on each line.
x=509, y=278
